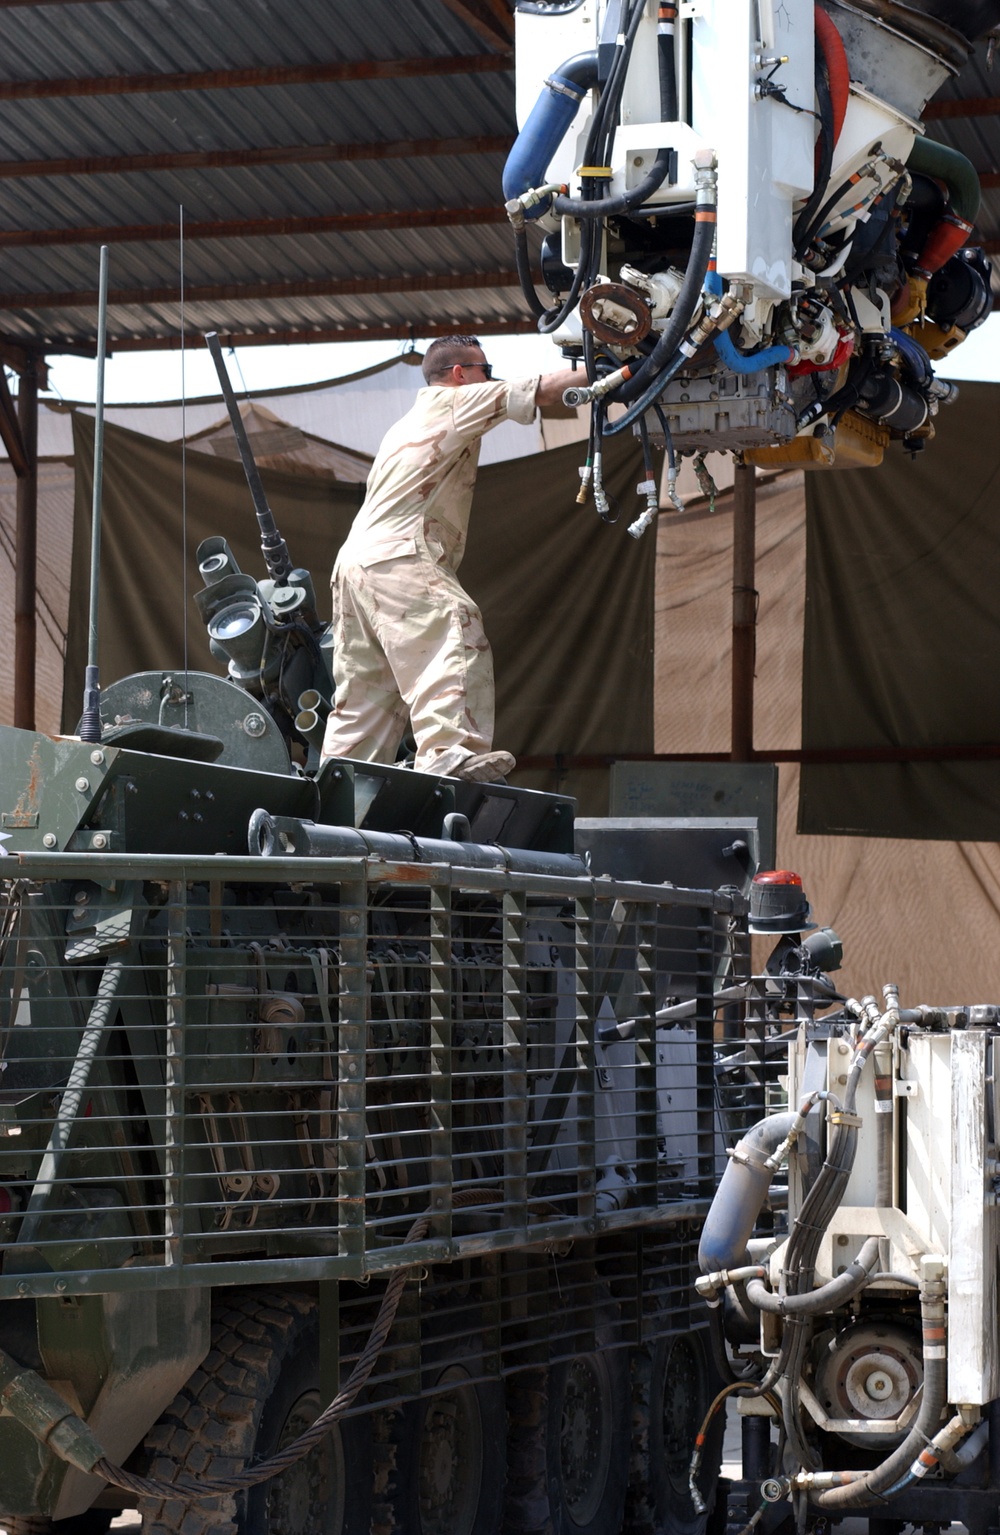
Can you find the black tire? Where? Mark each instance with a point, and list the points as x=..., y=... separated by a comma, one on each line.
x=526, y=1507
x=673, y=1383
x=450, y=1462
x=256, y=1392
x=587, y=1439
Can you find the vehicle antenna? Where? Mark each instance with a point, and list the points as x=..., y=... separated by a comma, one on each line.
x=90, y=723
x=184, y=524
x=273, y=547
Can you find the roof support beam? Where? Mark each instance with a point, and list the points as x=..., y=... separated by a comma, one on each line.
x=229, y=293
x=240, y=229
x=275, y=154
x=490, y=19
x=971, y=106
x=336, y=72
x=10, y=431
x=459, y=324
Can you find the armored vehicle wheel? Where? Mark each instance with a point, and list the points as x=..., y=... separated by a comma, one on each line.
x=257, y=1390
x=450, y=1455
x=587, y=1441
x=672, y=1386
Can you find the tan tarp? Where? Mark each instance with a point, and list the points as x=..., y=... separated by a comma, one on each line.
x=925, y=914
x=567, y=601
x=901, y=633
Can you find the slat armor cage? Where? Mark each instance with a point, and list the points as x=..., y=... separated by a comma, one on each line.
x=232, y=1071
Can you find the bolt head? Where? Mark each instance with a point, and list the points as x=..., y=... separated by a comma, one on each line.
x=82, y=785
x=97, y=758
x=100, y=840
x=255, y=725
x=49, y=840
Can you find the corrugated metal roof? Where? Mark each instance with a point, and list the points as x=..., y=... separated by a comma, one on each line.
x=281, y=250
x=401, y=235
x=974, y=96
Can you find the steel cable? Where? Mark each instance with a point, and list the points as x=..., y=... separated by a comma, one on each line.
x=225, y=1486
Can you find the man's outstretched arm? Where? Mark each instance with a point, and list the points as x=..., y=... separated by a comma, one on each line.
x=551, y=386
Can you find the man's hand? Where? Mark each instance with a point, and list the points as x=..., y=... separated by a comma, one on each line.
x=551, y=385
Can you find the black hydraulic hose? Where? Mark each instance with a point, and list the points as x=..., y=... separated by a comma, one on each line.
x=799, y=1334
x=586, y=271
x=647, y=452
x=668, y=439
x=523, y=260
x=661, y=377
x=828, y=1297
x=667, y=61
x=608, y=207
x=601, y=140
x=803, y=228
x=590, y=365
x=680, y=319
x=595, y=153
x=607, y=107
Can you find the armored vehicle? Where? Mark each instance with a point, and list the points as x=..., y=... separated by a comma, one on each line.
x=356, y=1125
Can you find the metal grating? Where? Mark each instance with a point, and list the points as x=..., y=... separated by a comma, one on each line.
x=258, y=1073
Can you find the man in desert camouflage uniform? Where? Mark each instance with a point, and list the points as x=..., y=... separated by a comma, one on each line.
x=408, y=640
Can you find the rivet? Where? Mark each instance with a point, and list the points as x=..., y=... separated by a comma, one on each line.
x=82, y=784
x=60, y=1285
x=183, y=816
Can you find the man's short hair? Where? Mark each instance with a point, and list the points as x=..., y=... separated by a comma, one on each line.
x=442, y=355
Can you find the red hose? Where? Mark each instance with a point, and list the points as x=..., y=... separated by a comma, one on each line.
x=837, y=67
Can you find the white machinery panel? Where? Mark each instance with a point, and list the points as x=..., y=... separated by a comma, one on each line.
x=765, y=149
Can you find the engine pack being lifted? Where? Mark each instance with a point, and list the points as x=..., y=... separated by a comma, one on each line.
x=749, y=241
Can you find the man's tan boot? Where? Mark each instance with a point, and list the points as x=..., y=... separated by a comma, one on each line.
x=487, y=767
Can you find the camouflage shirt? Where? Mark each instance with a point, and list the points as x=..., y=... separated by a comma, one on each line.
x=419, y=491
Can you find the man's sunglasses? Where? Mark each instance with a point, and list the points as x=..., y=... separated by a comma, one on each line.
x=486, y=367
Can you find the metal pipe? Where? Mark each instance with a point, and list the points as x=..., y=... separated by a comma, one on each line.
x=285, y=836
x=26, y=544
x=272, y=545
x=741, y=1193
x=69, y=1107
x=744, y=611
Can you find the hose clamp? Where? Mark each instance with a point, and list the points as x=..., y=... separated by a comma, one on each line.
x=565, y=88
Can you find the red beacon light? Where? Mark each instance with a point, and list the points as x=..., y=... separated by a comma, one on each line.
x=778, y=903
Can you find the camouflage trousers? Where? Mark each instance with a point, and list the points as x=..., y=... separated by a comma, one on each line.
x=408, y=642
